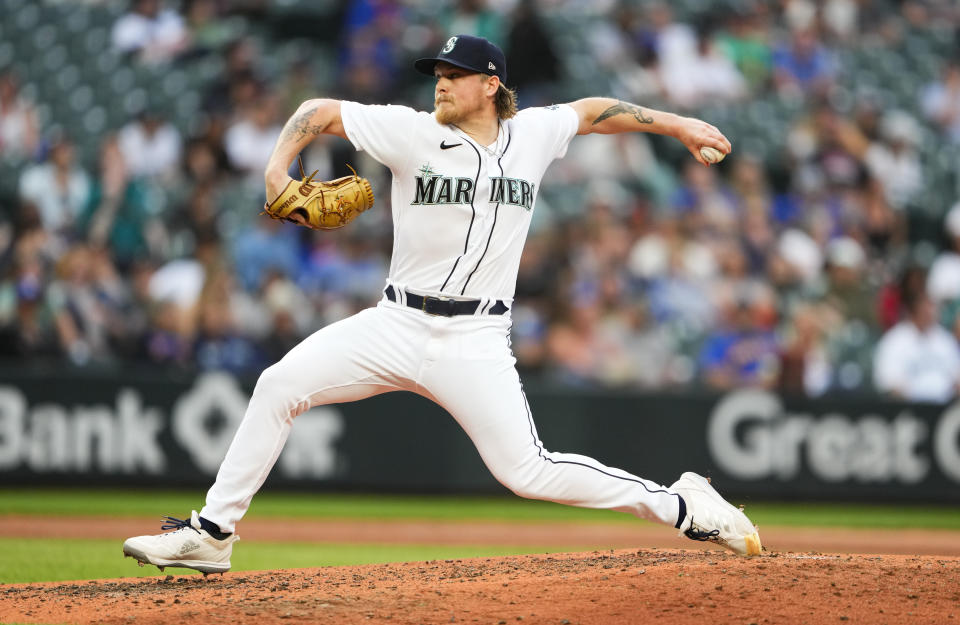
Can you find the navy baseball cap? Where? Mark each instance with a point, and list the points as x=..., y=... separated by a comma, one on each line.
x=469, y=52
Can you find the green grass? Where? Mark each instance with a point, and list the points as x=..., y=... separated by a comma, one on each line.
x=46, y=559
x=27, y=560
x=146, y=503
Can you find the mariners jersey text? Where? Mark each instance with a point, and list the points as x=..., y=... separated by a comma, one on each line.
x=438, y=190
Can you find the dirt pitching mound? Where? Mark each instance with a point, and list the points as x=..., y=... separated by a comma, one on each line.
x=599, y=588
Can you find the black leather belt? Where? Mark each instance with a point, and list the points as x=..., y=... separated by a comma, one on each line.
x=443, y=306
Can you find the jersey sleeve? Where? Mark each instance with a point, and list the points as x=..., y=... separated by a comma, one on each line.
x=382, y=131
x=555, y=125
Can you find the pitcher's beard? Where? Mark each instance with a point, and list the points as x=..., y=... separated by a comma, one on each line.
x=446, y=115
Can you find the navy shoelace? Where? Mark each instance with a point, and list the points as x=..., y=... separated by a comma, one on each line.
x=173, y=523
x=698, y=534
x=701, y=535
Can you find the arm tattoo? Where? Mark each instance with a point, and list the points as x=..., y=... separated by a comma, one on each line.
x=300, y=126
x=624, y=107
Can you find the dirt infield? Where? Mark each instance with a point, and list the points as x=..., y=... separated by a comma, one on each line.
x=599, y=588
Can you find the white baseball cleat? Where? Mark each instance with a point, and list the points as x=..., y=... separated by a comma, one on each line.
x=189, y=546
x=711, y=518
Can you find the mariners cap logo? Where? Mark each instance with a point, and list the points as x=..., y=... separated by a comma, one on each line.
x=447, y=49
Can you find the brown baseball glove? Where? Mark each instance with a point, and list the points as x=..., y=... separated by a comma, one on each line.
x=324, y=205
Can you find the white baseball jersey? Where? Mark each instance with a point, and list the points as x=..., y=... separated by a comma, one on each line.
x=461, y=211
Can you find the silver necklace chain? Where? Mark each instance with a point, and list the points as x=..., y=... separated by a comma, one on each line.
x=495, y=152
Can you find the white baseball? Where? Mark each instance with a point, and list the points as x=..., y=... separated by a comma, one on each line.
x=711, y=155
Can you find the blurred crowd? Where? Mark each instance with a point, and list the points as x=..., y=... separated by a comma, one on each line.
x=805, y=270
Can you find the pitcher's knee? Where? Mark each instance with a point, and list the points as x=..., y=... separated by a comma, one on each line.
x=527, y=491
x=524, y=484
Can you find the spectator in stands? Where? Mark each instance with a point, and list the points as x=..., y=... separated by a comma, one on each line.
x=848, y=288
x=19, y=130
x=475, y=17
x=151, y=33
x=675, y=42
x=219, y=344
x=943, y=283
x=746, y=43
x=733, y=272
x=828, y=151
x=163, y=341
x=580, y=353
x=86, y=302
x=346, y=275
x=201, y=164
x=181, y=281
x=897, y=290
x=290, y=316
x=250, y=140
x=602, y=249
x=238, y=85
x=537, y=276
x=151, y=147
x=371, y=50
x=705, y=202
x=841, y=19
x=677, y=294
x=704, y=76
x=648, y=357
x=917, y=359
x=207, y=29
x=26, y=323
x=613, y=44
x=805, y=367
x=115, y=216
x=124, y=317
x=802, y=66
x=940, y=101
x=895, y=161
x=263, y=248
x=758, y=239
x=298, y=86
x=59, y=188
x=884, y=228
x=203, y=169
x=743, y=350
x=534, y=63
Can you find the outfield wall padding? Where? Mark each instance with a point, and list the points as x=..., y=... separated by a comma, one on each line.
x=82, y=428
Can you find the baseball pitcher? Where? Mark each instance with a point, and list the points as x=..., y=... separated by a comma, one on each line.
x=466, y=177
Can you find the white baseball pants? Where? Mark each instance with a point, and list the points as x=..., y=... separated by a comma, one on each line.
x=464, y=364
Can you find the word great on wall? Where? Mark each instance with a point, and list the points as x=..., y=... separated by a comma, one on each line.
x=752, y=437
